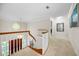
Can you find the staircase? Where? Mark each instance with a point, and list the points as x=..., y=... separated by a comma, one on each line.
x=36, y=45
x=41, y=43
x=12, y=42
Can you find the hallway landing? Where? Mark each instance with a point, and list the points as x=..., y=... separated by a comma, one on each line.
x=56, y=47
x=60, y=47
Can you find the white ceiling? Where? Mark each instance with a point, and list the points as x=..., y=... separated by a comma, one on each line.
x=31, y=12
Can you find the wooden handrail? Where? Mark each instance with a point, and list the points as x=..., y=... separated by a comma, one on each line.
x=32, y=36
x=4, y=33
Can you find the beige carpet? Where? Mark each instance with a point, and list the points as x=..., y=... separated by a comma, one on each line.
x=59, y=47
x=56, y=47
x=26, y=52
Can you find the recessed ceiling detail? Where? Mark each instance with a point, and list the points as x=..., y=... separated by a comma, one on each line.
x=47, y=7
x=33, y=12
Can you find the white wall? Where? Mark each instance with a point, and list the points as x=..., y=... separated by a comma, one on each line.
x=74, y=33
x=7, y=26
x=45, y=42
x=0, y=47
x=59, y=35
x=33, y=27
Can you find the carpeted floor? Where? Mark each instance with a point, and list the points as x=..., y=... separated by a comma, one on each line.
x=26, y=52
x=57, y=47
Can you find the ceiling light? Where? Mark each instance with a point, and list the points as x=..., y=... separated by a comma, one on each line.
x=16, y=26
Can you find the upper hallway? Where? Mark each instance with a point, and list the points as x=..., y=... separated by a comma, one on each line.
x=37, y=17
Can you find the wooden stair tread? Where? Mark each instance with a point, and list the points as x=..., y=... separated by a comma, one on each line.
x=37, y=50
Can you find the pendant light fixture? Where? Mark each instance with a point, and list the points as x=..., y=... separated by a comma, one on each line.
x=16, y=26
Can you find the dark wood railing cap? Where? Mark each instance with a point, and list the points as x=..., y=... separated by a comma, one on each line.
x=4, y=33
